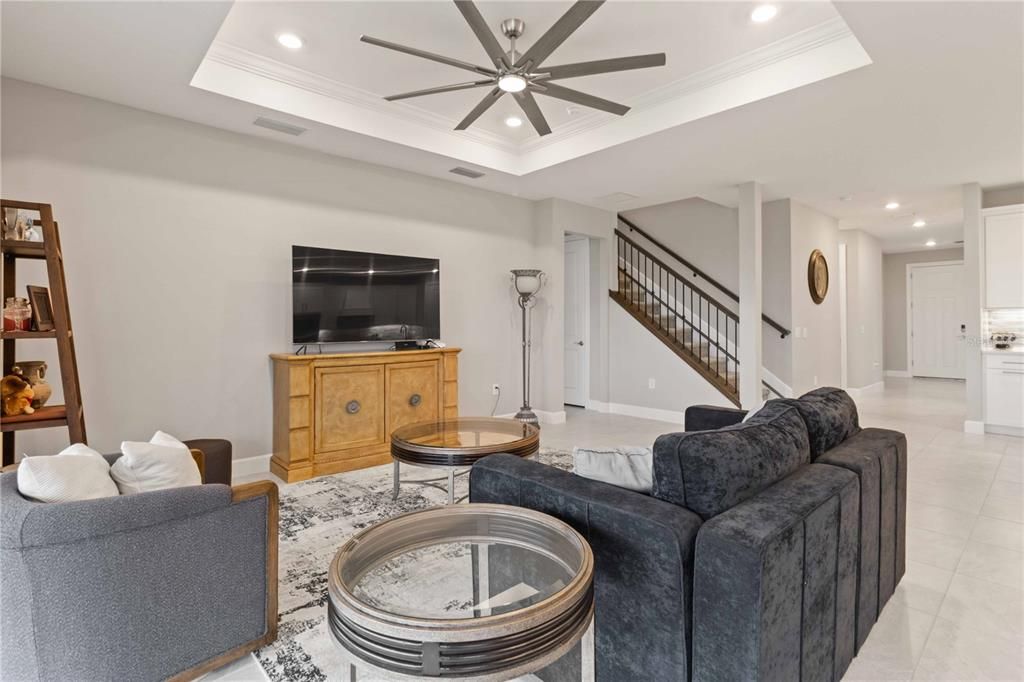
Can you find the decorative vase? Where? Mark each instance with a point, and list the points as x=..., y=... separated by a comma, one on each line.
x=34, y=372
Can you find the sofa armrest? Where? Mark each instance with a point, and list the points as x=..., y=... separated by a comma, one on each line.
x=216, y=467
x=710, y=417
x=643, y=554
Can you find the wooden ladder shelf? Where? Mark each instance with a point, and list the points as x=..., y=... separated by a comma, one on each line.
x=70, y=414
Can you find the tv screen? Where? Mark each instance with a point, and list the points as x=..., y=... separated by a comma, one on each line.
x=345, y=296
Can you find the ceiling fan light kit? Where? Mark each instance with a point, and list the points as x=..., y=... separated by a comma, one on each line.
x=521, y=74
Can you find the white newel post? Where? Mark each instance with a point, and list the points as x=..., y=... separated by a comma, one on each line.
x=750, y=295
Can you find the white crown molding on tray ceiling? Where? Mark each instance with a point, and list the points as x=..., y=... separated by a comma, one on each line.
x=819, y=52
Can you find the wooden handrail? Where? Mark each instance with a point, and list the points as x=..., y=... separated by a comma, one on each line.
x=697, y=272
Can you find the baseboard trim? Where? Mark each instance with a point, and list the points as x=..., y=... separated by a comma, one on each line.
x=598, y=406
x=1004, y=430
x=248, y=466
x=543, y=416
x=897, y=373
x=972, y=426
x=671, y=416
x=865, y=390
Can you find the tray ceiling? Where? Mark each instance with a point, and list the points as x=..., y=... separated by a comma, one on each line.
x=717, y=60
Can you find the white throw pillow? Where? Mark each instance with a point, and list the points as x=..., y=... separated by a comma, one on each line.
x=163, y=462
x=76, y=473
x=627, y=467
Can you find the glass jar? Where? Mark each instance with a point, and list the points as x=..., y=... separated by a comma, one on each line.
x=17, y=315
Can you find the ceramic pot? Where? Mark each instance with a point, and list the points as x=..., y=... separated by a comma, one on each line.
x=34, y=372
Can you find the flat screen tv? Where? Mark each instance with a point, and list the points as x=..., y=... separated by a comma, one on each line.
x=350, y=296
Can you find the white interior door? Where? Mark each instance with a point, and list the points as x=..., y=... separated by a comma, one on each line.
x=938, y=313
x=577, y=320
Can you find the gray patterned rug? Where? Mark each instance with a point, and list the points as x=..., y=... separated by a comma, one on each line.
x=316, y=518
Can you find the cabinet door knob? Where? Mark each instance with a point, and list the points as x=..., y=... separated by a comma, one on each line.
x=352, y=407
x=415, y=399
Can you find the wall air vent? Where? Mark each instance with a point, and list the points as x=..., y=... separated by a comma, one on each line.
x=959, y=241
x=278, y=126
x=466, y=172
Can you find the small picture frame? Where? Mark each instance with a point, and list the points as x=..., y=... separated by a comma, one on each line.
x=42, y=311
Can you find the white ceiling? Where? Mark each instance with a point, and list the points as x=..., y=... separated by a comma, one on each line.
x=695, y=36
x=940, y=105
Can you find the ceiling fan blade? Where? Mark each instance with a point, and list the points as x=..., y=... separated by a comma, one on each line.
x=483, y=32
x=640, y=61
x=529, y=106
x=459, y=64
x=441, y=88
x=556, y=35
x=577, y=97
x=485, y=104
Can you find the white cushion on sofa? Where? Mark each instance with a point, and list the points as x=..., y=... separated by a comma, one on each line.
x=77, y=473
x=164, y=462
x=626, y=467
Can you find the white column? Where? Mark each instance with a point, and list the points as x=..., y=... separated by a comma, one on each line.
x=750, y=295
x=972, y=291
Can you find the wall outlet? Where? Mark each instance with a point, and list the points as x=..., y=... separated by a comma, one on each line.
x=495, y=389
x=650, y=383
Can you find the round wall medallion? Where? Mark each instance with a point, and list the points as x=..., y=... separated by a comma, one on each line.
x=817, y=276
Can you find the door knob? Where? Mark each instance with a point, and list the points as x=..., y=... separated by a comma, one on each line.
x=579, y=343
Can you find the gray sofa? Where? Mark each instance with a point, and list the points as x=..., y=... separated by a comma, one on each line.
x=758, y=555
x=167, y=584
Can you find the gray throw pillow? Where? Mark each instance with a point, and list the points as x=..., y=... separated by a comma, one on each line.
x=626, y=467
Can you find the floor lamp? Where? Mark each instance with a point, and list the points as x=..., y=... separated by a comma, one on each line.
x=527, y=284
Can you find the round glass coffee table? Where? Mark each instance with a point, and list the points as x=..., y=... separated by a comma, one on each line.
x=457, y=443
x=481, y=592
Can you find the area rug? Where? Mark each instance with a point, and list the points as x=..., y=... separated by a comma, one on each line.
x=316, y=518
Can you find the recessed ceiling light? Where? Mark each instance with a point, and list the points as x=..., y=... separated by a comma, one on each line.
x=892, y=205
x=919, y=223
x=763, y=13
x=512, y=83
x=513, y=121
x=930, y=242
x=289, y=40
x=848, y=197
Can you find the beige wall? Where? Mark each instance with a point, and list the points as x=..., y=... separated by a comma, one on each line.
x=894, y=294
x=177, y=241
x=816, y=354
x=864, y=304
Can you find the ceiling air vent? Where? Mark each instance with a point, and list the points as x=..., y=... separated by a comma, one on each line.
x=278, y=126
x=466, y=172
x=617, y=197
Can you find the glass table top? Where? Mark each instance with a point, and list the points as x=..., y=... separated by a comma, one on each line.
x=466, y=562
x=465, y=432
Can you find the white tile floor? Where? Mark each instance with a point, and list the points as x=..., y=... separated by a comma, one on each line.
x=958, y=613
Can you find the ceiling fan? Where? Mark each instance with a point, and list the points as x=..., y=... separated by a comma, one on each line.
x=521, y=74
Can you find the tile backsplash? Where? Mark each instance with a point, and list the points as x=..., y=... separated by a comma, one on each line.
x=1010, y=320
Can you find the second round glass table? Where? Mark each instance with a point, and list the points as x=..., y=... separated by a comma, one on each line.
x=457, y=443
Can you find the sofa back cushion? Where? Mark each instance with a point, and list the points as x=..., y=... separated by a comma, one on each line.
x=830, y=415
x=710, y=472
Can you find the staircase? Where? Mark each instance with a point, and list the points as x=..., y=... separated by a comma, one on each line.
x=686, y=318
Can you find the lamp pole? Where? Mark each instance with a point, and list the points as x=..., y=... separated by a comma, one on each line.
x=527, y=284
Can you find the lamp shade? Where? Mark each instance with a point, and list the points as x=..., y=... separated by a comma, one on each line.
x=527, y=282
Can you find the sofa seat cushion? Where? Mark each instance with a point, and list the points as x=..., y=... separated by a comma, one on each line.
x=774, y=592
x=879, y=458
x=831, y=417
x=709, y=472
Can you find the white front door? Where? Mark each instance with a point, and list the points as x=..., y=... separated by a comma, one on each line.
x=938, y=313
x=577, y=320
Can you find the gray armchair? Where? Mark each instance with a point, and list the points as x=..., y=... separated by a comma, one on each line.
x=167, y=584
